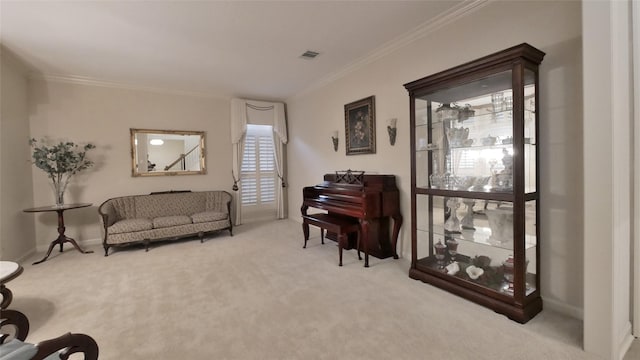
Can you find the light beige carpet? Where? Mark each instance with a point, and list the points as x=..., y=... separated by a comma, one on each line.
x=260, y=295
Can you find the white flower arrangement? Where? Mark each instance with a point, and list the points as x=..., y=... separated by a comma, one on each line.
x=60, y=161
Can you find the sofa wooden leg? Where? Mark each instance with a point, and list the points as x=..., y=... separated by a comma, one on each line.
x=201, y=236
x=146, y=244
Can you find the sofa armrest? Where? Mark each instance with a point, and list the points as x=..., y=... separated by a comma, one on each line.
x=108, y=213
x=227, y=198
x=17, y=320
x=218, y=201
x=69, y=344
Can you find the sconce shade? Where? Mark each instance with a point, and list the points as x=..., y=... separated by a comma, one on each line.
x=392, y=130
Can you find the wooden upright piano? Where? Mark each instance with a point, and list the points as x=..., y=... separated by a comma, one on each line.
x=372, y=199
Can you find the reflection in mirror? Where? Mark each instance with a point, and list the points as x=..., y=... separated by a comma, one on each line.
x=167, y=152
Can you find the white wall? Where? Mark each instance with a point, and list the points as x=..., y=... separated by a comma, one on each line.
x=103, y=116
x=553, y=27
x=16, y=227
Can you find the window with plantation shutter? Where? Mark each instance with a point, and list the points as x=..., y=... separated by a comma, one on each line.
x=258, y=171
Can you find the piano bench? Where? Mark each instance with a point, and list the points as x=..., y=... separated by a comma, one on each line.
x=340, y=225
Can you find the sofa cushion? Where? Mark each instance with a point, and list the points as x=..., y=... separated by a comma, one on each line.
x=208, y=216
x=157, y=205
x=168, y=221
x=129, y=225
x=18, y=350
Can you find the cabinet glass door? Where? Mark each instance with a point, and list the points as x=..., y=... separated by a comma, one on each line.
x=422, y=143
x=530, y=118
x=473, y=240
x=466, y=135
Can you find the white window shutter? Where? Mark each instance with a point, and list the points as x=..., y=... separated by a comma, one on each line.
x=258, y=172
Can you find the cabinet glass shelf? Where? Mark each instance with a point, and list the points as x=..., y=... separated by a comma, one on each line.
x=527, y=141
x=498, y=116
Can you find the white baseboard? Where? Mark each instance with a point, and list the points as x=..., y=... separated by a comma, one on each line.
x=24, y=257
x=625, y=342
x=563, y=308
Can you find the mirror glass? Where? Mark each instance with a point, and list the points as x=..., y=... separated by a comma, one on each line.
x=167, y=152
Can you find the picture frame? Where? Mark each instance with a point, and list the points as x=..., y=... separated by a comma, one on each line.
x=360, y=126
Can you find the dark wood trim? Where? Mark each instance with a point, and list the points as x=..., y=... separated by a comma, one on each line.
x=519, y=313
x=476, y=68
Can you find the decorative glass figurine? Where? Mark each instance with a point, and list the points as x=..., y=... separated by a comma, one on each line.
x=440, y=253
x=452, y=225
x=467, y=220
x=452, y=246
x=507, y=266
x=445, y=113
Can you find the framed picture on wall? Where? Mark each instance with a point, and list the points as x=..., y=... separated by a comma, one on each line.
x=360, y=126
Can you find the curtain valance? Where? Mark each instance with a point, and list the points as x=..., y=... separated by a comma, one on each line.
x=240, y=118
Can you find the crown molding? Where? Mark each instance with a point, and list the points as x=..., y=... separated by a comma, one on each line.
x=455, y=13
x=88, y=81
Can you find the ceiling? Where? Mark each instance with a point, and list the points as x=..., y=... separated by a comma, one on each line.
x=245, y=49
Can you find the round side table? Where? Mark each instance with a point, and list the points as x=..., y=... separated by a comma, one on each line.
x=61, y=237
x=9, y=270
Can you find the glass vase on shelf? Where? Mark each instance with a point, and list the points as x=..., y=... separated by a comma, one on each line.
x=507, y=267
x=452, y=248
x=452, y=224
x=440, y=253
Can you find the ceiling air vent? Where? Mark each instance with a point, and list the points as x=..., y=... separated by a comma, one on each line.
x=309, y=54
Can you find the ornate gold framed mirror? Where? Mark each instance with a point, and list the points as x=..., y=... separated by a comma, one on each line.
x=167, y=152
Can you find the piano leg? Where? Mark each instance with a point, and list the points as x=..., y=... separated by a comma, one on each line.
x=342, y=241
x=305, y=226
x=358, y=244
x=305, y=230
x=397, y=222
x=364, y=234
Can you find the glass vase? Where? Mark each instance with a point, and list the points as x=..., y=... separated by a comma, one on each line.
x=58, y=193
x=440, y=253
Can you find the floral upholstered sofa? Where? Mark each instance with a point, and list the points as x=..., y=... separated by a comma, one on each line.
x=164, y=216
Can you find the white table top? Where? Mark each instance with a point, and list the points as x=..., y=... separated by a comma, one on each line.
x=8, y=269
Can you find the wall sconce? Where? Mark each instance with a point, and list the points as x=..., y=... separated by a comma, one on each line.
x=391, y=128
x=334, y=137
